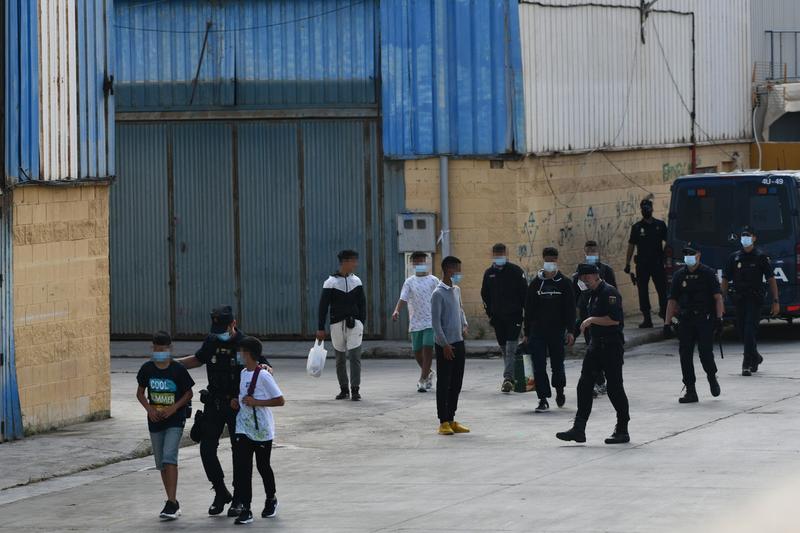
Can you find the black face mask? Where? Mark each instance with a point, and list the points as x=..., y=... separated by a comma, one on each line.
x=647, y=212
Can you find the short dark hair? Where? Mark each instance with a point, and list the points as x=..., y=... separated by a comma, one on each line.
x=419, y=255
x=344, y=255
x=550, y=252
x=499, y=248
x=450, y=261
x=252, y=345
x=590, y=244
x=162, y=338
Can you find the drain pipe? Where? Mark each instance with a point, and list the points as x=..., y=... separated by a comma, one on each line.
x=444, y=206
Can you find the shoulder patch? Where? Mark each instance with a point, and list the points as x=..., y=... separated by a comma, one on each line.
x=612, y=299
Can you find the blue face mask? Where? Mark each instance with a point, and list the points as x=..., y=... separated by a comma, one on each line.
x=456, y=278
x=239, y=358
x=550, y=266
x=161, y=357
x=224, y=337
x=592, y=259
x=500, y=261
x=747, y=241
x=690, y=260
x=421, y=269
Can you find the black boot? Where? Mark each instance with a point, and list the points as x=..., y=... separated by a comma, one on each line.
x=646, y=323
x=577, y=433
x=757, y=360
x=560, y=398
x=620, y=435
x=343, y=395
x=221, y=498
x=714, y=385
x=354, y=395
x=690, y=396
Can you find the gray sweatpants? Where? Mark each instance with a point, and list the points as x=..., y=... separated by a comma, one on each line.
x=509, y=353
x=354, y=355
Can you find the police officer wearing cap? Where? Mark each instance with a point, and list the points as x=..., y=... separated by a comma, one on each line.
x=696, y=299
x=223, y=367
x=605, y=354
x=747, y=269
x=647, y=237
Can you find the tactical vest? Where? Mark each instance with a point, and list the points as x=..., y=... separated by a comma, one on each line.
x=747, y=275
x=696, y=296
x=223, y=372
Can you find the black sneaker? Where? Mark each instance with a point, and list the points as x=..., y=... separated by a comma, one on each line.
x=507, y=386
x=543, y=406
x=221, y=499
x=245, y=517
x=758, y=360
x=746, y=371
x=270, y=508
x=344, y=395
x=355, y=395
x=171, y=511
x=235, y=509
x=560, y=398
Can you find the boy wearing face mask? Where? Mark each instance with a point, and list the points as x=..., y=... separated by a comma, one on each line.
x=503, y=294
x=549, y=319
x=647, y=237
x=695, y=297
x=168, y=388
x=218, y=354
x=416, y=294
x=747, y=268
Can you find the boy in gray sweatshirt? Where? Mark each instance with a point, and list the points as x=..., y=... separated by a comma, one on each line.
x=449, y=327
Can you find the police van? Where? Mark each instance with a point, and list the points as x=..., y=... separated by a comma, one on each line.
x=709, y=210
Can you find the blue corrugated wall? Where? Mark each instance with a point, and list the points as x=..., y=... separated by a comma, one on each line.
x=259, y=53
x=451, y=77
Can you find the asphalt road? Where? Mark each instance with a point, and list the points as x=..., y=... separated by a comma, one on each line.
x=727, y=464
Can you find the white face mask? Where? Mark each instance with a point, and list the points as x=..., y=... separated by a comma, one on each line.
x=550, y=267
x=582, y=286
x=747, y=241
x=592, y=259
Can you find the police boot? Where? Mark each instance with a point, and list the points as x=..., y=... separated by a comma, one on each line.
x=690, y=396
x=355, y=395
x=577, y=433
x=714, y=385
x=620, y=435
x=646, y=323
x=344, y=394
x=757, y=360
x=221, y=498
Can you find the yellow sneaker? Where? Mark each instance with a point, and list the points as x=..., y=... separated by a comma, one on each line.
x=445, y=429
x=458, y=428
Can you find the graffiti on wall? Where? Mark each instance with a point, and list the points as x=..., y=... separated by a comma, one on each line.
x=530, y=230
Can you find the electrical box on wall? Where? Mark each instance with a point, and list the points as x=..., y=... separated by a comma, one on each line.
x=416, y=232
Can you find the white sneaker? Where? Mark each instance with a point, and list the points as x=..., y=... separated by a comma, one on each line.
x=421, y=387
x=429, y=381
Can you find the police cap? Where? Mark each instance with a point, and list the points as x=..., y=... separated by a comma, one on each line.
x=221, y=318
x=689, y=249
x=646, y=201
x=586, y=268
x=748, y=230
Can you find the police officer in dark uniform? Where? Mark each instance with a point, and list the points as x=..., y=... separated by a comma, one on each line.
x=219, y=354
x=696, y=299
x=747, y=269
x=605, y=354
x=647, y=237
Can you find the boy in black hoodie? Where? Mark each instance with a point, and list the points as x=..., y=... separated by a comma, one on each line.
x=343, y=295
x=549, y=319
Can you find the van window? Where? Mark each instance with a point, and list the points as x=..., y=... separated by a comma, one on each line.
x=768, y=211
x=704, y=215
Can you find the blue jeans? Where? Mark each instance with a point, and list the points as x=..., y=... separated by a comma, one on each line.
x=541, y=346
x=166, y=444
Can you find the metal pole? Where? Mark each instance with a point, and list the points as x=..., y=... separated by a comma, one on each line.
x=444, y=205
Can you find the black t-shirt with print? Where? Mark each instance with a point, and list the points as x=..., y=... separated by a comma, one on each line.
x=164, y=388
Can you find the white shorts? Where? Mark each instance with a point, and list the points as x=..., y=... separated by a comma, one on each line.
x=344, y=339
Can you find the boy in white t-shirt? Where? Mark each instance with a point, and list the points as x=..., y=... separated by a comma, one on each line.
x=255, y=429
x=416, y=293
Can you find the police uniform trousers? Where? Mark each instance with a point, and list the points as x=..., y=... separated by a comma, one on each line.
x=217, y=414
x=748, y=315
x=605, y=354
x=644, y=273
x=543, y=345
x=696, y=329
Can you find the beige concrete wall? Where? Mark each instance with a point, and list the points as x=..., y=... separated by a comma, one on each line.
x=61, y=304
x=560, y=201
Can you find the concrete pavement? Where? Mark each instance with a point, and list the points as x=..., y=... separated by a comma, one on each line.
x=726, y=464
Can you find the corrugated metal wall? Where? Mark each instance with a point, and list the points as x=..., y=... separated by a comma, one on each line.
x=259, y=53
x=451, y=78
x=591, y=83
x=60, y=122
x=10, y=413
x=776, y=15
x=259, y=211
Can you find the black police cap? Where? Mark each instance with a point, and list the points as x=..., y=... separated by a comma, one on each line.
x=586, y=268
x=748, y=230
x=646, y=201
x=221, y=318
x=689, y=249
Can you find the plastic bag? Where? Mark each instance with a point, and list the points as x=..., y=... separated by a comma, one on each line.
x=316, y=359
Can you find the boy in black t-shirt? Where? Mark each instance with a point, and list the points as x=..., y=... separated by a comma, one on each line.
x=169, y=390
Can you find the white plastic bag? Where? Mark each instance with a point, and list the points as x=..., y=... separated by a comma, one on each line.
x=316, y=359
